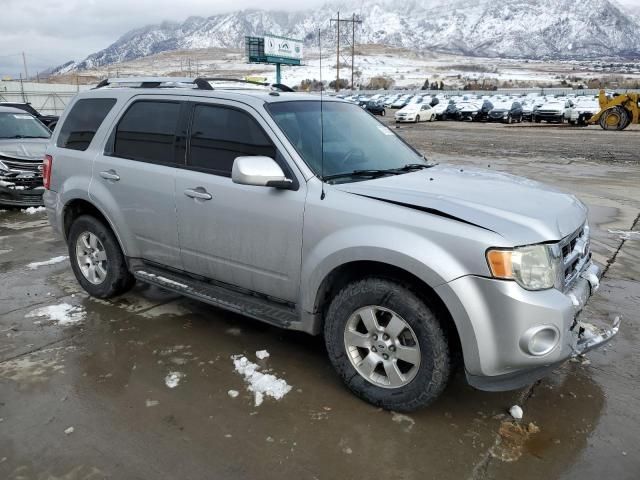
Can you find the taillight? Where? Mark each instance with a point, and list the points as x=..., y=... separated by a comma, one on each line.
x=47, y=165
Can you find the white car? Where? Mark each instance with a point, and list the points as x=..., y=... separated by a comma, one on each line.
x=415, y=112
x=584, y=110
x=556, y=110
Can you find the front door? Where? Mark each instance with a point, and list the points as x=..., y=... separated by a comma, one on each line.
x=245, y=236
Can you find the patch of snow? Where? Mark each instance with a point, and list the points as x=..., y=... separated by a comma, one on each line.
x=151, y=403
x=626, y=234
x=233, y=393
x=173, y=379
x=516, y=412
x=69, y=431
x=33, y=210
x=574, y=300
x=51, y=261
x=62, y=314
x=262, y=354
x=400, y=419
x=259, y=383
x=593, y=280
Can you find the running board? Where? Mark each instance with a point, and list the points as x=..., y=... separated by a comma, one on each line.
x=263, y=309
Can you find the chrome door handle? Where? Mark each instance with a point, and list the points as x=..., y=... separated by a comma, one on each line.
x=110, y=175
x=199, y=193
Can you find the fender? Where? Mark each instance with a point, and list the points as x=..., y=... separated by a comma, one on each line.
x=424, y=259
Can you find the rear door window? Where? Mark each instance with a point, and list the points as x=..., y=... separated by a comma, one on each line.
x=83, y=122
x=220, y=134
x=147, y=132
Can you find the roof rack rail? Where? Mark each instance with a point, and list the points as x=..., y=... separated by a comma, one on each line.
x=151, y=82
x=200, y=83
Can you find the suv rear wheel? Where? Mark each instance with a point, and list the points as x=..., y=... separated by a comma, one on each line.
x=387, y=344
x=96, y=258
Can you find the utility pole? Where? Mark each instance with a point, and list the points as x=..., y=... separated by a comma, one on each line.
x=24, y=62
x=338, y=55
x=24, y=100
x=353, y=21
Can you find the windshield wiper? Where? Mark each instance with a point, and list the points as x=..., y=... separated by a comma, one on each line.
x=415, y=166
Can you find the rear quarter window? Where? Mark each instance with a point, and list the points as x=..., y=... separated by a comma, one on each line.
x=83, y=122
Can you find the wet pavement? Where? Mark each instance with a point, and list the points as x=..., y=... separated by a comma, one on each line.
x=102, y=377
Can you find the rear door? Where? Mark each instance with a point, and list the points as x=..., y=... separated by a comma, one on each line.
x=134, y=178
x=245, y=236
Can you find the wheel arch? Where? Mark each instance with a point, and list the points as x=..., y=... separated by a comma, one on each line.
x=77, y=207
x=352, y=271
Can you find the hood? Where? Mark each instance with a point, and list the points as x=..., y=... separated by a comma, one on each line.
x=520, y=210
x=588, y=109
x=553, y=107
x=23, y=148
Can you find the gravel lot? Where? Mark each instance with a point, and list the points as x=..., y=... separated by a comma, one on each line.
x=143, y=387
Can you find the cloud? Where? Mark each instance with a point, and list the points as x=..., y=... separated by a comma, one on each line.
x=51, y=32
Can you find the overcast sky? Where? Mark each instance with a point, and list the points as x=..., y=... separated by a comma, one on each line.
x=51, y=32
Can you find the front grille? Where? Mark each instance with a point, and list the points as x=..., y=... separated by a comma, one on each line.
x=22, y=165
x=575, y=251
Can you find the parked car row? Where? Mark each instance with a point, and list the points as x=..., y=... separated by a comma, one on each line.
x=495, y=108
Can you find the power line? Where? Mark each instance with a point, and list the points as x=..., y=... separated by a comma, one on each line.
x=352, y=21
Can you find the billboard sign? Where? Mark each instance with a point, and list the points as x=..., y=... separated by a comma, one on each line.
x=281, y=47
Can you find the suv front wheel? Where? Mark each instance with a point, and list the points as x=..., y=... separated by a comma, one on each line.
x=96, y=258
x=387, y=344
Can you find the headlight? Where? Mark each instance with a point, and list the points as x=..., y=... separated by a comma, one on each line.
x=534, y=267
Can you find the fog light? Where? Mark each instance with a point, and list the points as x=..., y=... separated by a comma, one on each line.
x=539, y=340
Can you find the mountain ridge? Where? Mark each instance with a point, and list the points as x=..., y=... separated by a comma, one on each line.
x=531, y=29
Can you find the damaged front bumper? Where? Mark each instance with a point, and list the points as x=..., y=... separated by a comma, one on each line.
x=21, y=190
x=499, y=323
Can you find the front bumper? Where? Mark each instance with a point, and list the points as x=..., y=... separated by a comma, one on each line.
x=549, y=116
x=494, y=316
x=14, y=194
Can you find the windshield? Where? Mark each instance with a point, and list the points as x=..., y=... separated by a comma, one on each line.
x=21, y=125
x=353, y=139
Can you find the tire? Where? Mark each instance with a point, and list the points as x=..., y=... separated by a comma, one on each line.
x=616, y=118
x=433, y=118
x=509, y=120
x=383, y=113
x=425, y=379
x=417, y=119
x=111, y=276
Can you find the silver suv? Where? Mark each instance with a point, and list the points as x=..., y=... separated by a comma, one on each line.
x=313, y=216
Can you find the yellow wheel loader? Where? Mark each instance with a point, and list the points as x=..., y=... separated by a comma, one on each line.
x=617, y=112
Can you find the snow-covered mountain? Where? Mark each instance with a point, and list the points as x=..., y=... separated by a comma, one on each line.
x=533, y=29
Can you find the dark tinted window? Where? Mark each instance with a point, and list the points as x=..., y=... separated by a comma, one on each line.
x=147, y=132
x=83, y=122
x=219, y=135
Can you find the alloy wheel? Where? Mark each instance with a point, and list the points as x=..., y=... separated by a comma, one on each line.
x=91, y=257
x=382, y=347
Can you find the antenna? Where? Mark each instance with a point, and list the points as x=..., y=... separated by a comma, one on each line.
x=323, y=194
